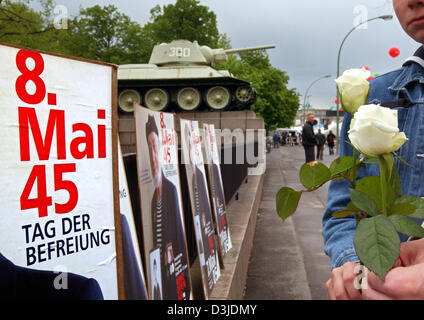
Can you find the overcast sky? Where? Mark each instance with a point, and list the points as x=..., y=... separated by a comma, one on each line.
x=307, y=35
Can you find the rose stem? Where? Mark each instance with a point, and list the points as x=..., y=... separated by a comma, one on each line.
x=383, y=183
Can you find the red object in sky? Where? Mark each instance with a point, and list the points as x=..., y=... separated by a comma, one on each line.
x=336, y=101
x=394, y=52
x=366, y=68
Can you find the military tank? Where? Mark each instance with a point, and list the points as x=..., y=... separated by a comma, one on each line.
x=180, y=76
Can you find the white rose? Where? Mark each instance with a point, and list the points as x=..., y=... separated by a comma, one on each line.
x=374, y=130
x=353, y=88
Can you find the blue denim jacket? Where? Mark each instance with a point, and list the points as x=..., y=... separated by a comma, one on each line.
x=404, y=83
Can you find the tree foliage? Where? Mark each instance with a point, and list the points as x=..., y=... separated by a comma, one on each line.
x=186, y=19
x=22, y=25
x=276, y=104
x=105, y=34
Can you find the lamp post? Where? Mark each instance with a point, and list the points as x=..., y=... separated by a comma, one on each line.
x=306, y=94
x=383, y=17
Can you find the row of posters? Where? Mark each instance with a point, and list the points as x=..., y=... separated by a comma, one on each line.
x=164, y=232
x=67, y=228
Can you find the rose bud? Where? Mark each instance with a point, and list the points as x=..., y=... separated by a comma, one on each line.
x=353, y=88
x=374, y=130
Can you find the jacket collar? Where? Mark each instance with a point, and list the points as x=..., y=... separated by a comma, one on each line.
x=412, y=71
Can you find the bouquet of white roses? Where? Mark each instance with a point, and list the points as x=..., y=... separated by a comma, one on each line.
x=377, y=202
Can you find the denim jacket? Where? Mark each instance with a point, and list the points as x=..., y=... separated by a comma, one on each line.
x=406, y=83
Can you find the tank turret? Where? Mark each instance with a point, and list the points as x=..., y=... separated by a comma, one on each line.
x=181, y=74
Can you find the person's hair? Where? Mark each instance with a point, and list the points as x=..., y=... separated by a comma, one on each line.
x=151, y=126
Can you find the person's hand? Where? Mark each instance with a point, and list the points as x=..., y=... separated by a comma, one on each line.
x=405, y=280
x=341, y=285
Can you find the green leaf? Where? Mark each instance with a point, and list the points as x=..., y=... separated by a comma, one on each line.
x=389, y=162
x=363, y=202
x=403, y=209
x=371, y=161
x=372, y=187
x=350, y=206
x=314, y=174
x=342, y=164
x=407, y=226
x=401, y=160
x=343, y=213
x=377, y=244
x=287, y=201
x=417, y=202
x=395, y=182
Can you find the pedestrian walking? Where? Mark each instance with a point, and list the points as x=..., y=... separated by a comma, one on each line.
x=331, y=140
x=308, y=138
x=320, y=144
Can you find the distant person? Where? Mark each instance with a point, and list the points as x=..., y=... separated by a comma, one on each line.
x=284, y=138
x=167, y=227
x=320, y=144
x=308, y=138
x=276, y=140
x=331, y=139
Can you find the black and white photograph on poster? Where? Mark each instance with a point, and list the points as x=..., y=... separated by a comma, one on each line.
x=216, y=188
x=200, y=204
x=199, y=240
x=134, y=281
x=57, y=178
x=161, y=203
x=156, y=274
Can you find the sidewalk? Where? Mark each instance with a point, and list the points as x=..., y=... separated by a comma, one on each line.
x=287, y=259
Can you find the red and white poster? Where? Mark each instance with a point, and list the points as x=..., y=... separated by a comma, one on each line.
x=56, y=175
x=216, y=188
x=161, y=205
x=200, y=204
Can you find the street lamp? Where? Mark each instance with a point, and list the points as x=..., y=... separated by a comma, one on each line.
x=306, y=94
x=383, y=17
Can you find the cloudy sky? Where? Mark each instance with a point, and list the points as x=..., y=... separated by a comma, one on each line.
x=307, y=35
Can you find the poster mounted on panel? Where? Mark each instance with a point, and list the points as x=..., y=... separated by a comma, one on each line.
x=59, y=177
x=156, y=274
x=133, y=273
x=161, y=205
x=200, y=205
x=216, y=188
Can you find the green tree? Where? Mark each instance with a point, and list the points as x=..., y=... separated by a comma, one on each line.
x=22, y=25
x=103, y=33
x=276, y=104
x=186, y=19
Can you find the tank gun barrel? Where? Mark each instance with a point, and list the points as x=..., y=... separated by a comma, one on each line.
x=229, y=51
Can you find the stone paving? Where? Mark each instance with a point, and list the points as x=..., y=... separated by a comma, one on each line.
x=287, y=260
